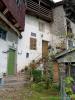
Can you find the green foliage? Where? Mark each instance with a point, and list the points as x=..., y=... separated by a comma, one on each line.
x=37, y=75
x=68, y=91
x=55, y=87
x=69, y=82
x=50, y=72
x=39, y=87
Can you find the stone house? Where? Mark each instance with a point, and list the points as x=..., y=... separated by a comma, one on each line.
x=37, y=35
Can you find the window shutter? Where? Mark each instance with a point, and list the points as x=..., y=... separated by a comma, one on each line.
x=33, y=43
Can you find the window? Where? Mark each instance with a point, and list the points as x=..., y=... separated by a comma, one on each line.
x=73, y=71
x=33, y=43
x=3, y=34
x=41, y=26
x=70, y=43
x=27, y=55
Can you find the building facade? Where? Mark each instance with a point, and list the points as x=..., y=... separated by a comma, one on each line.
x=45, y=25
x=12, y=15
x=64, y=29
x=36, y=36
x=34, y=43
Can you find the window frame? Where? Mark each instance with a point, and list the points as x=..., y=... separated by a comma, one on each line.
x=33, y=43
x=41, y=26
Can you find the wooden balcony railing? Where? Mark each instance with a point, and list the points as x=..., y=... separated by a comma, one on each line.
x=39, y=9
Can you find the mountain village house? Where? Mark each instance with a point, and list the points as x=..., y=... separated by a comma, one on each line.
x=28, y=29
x=37, y=35
x=12, y=17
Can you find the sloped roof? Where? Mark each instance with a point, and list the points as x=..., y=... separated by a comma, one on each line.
x=64, y=53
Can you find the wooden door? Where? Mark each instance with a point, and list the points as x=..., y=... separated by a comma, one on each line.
x=11, y=62
x=44, y=48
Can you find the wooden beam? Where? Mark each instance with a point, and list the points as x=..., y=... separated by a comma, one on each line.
x=47, y=5
x=5, y=11
x=40, y=15
x=8, y=23
x=16, y=25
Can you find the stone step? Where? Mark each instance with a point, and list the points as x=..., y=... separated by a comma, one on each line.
x=15, y=84
x=15, y=81
x=14, y=78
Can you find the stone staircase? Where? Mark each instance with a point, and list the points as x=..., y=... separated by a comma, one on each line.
x=13, y=86
x=15, y=81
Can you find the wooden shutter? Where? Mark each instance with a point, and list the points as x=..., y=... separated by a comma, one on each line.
x=33, y=43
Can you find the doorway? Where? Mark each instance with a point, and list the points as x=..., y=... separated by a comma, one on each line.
x=44, y=48
x=11, y=62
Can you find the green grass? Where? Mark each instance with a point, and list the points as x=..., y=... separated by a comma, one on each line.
x=39, y=96
x=73, y=96
x=28, y=94
x=45, y=95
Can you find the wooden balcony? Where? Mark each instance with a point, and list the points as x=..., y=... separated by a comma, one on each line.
x=41, y=10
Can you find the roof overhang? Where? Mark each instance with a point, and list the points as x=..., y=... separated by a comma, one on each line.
x=66, y=52
x=66, y=56
x=9, y=24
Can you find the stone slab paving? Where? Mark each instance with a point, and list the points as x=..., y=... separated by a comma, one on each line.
x=14, y=94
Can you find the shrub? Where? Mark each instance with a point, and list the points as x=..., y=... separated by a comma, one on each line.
x=37, y=75
x=55, y=87
x=69, y=82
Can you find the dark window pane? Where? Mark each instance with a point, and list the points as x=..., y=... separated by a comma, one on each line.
x=4, y=36
x=27, y=55
x=0, y=35
x=70, y=43
x=73, y=71
x=3, y=33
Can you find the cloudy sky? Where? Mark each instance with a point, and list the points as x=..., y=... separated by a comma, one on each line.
x=57, y=0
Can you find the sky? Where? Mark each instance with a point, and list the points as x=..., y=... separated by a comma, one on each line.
x=57, y=0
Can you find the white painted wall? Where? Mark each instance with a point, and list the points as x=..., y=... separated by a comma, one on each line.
x=3, y=56
x=31, y=25
x=4, y=47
